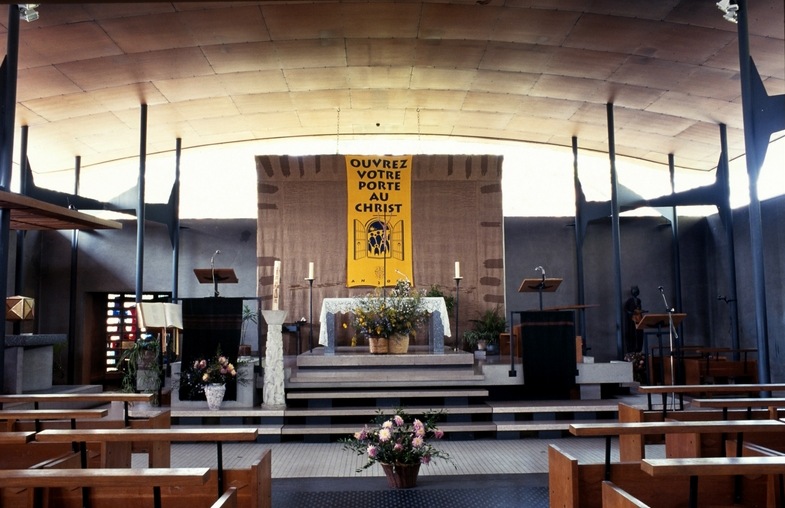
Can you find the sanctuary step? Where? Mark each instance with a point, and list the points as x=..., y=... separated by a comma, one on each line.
x=356, y=368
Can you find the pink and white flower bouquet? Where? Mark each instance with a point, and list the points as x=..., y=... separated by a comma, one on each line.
x=398, y=439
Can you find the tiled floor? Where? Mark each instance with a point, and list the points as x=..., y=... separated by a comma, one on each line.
x=482, y=474
x=331, y=460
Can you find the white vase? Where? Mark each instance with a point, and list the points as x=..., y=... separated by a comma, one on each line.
x=214, y=393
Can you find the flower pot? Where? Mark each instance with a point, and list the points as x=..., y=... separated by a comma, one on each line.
x=398, y=344
x=378, y=345
x=214, y=393
x=401, y=476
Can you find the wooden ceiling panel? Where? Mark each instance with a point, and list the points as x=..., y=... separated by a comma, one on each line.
x=242, y=57
x=395, y=52
x=136, y=68
x=535, y=26
x=43, y=82
x=517, y=58
x=528, y=70
x=517, y=83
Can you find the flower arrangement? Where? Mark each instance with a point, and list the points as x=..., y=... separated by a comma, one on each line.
x=383, y=316
x=638, y=360
x=397, y=440
x=205, y=371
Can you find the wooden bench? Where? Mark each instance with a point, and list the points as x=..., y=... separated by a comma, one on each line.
x=119, y=455
x=614, y=497
x=16, y=437
x=694, y=468
x=253, y=485
x=579, y=485
x=38, y=479
x=227, y=500
x=682, y=390
x=37, y=399
x=610, y=430
x=771, y=403
x=11, y=416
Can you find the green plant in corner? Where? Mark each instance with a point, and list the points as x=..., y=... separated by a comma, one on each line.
x=486, y=329
x=140, y=366
x=249, y=316
x=435, y=291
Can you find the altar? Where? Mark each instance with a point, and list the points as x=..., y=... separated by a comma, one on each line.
x=438, y=326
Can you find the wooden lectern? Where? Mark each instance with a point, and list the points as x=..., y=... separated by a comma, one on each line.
x=540, y=285
x=658, y=321
x=215, y=275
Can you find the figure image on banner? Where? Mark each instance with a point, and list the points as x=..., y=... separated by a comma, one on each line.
x=378, y=210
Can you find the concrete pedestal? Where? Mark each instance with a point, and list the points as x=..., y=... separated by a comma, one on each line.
x=274, y=375
x=28, y=362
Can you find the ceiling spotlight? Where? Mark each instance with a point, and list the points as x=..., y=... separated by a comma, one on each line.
x=27, y=12
x=730, y=10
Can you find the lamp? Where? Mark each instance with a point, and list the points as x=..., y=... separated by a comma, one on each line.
x=27, y=12
x=19, y=308
x=730, y=10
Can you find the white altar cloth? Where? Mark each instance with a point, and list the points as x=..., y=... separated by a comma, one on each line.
x=332, y=306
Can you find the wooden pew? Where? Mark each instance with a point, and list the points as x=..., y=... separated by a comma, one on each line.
x=694, y=468
x=36, y=399
x=253, y=485
x=772, y=404
x=614, y=497
x=38, y=479
x=119, y=455
x=632, y=446
x=575, y=485
x=669, y=428
x=11, y=416
x=681, y=390
x=227, y=500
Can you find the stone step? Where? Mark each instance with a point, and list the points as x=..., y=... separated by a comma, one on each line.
x=386, y=394
x=350, y=429
x=372, y=411
x=364, y=359
x=383, y=376
x=561, y=406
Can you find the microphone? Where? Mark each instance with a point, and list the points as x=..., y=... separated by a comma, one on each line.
x=212, y=259
x=541, y=269
x=404, y=275
x=660, y=288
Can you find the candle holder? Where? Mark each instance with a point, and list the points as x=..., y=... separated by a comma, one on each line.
x=310, y=314
x=457, y=314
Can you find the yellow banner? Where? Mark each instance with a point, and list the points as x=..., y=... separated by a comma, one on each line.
x=379, y=218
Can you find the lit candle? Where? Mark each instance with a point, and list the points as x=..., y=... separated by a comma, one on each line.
x=457, y=269
x=276, y=283
x=310, y=270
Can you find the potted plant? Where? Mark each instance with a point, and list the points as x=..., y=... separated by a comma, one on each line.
x=485, y=331
x=142, y=369
x=209, y=376
x=435, y=291
x=399, y=443
x=387, y=321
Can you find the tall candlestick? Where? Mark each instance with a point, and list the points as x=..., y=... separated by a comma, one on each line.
x=276, y=283
x=457, y=269
x=310, y=270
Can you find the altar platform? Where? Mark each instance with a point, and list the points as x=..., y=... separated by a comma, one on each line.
x=355, y=367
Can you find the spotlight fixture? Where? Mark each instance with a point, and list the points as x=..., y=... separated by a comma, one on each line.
x=730, y=9
x=27, y=12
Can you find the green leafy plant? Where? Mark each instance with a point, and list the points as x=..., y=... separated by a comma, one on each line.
x=399, y=313
x=486, y=328
x=141, y=359
x=435, y=291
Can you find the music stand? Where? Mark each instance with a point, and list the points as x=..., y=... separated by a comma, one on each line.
x=215, y=275
x=658, y=321
x=540, y=285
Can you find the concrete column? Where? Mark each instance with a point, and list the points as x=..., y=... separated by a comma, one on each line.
x=274, y=395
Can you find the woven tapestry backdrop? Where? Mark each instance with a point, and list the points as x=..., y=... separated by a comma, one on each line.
x=456, y=215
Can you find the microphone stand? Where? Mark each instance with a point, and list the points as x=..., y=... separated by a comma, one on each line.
x=672, y=334
x=212, y=272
